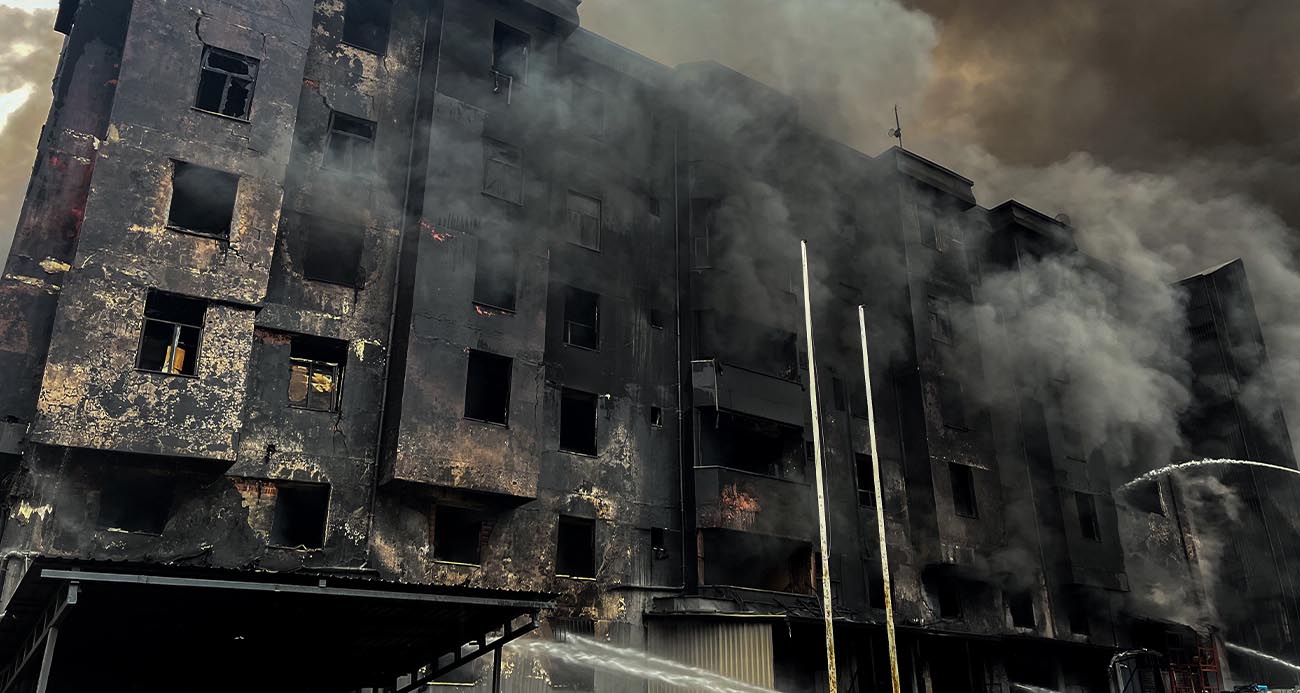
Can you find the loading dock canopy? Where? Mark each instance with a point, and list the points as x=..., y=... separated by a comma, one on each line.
x=150, y=627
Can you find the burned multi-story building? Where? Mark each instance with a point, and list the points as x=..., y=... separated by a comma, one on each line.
x=346, y=341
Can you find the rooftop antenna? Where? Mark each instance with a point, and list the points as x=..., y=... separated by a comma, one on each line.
x=897, y=131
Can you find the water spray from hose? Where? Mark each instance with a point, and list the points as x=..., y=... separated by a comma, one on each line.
x=1156, y=473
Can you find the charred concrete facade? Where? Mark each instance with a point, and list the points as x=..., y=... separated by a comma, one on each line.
x=457, y=294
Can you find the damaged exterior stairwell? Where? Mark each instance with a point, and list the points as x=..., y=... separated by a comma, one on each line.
x=344, y=333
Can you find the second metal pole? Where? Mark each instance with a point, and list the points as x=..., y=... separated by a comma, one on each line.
x=880, y=508
x=827, y=612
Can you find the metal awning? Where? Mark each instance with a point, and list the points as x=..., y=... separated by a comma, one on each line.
x=170, y=628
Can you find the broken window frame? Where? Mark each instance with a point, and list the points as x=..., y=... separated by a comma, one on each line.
x=384, y=27
x=179, y=171
x=586, y=525
x=249, y=80
x=346, y=151
x=580, y=224
x=1085, y=505
x=571, y=295
x=940, y=319
x=965, y=503
x=704, y=210
x=499, y=155
x=504, y=65
x=656, y=417
x=864, y=472
x=179, y=326
x=312, y=366
x=486, y=360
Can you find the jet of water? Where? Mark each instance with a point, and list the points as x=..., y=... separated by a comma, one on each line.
x=620, y=660
x=1152, y=475
x=1263, y=656
x=1032, y=689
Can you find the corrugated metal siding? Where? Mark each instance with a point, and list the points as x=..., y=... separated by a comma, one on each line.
x=741, y=650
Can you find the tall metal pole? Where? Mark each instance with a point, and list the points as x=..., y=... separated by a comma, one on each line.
x=880, y=509
x=827, y=612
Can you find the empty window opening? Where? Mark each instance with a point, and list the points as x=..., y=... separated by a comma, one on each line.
x=300, y=513
x=704, y=220
x=316, y=372
x=503, y=171
x=656, y=318
x=963, y=490
x=652, y=204
x=581, y=318
x=837, y=394
x=495, y=275
x=1145, y=497
x=351, y=144
x=226, y=83
x=366, y=23
x=657, y=417
x=575, y=547
x=659, y=543
x=952, y=404
x=940, y=319
x=457, y=534
x=1089, y=522
x=578, y=422
x=948, y=596
x=875, y=584
x=589, y=110
x=487, y=388
x=1021, y=605
x=333, y=253
x=858, y=400
x=583, y=220
x=139, y=504
x=752, y=444
x=1078, y=615
x=510, y=52
x=173, y=328
x=866, y=480
x=203, y=199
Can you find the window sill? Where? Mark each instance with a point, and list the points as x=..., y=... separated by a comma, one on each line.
x=579, y=578
x=205, y=111
x=496, y=424
x=136, y=532
x=583, y=348
x=194, y=376
x=201, y=234
x=517, y=203
x=497, y=309
x=440, y=561
x=299, y=548
x=312, y=409
x=588, y=455
x=354, y=287
x=377, y=53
